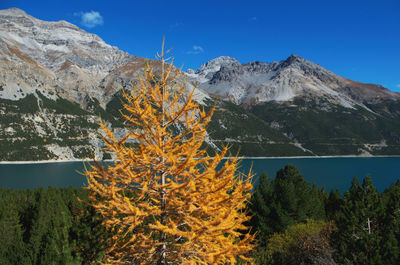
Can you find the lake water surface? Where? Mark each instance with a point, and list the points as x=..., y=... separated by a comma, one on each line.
x=325, y=172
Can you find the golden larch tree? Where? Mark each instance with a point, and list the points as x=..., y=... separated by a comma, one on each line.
x=164, y=199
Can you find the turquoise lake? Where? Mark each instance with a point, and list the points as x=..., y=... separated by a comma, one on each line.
x=325, y=172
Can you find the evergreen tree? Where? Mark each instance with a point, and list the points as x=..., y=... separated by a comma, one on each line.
x=12, y=247
x=261, y=209
x=294, y=199
x=286, y=200
x=48, y=239
x=333, y=204
x=87, y=231
x=391, y=225
x=48, y=227
x=358, y=239
x=318, y=197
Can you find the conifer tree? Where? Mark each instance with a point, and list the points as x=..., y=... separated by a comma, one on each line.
x=12, y=247
x=359, y=239
x=286, y=200
x=87, y=230
x=262, y=209
x=333, y=204
x=391, y=224
x=48, y=239
x=296, y=200
x=163, y=198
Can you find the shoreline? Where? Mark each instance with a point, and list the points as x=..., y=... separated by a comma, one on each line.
x=240, y=158
x=302, y=157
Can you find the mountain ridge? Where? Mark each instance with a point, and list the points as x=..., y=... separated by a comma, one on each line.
x=63, y=59
x=257, y=82
x=56, y=79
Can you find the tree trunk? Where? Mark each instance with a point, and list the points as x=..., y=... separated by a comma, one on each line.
x=163, y=217
x=163, y=236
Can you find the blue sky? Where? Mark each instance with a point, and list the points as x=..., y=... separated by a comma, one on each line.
x=359, y=40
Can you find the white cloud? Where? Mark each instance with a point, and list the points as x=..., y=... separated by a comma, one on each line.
x=90, y=19
x=398, y=85
x=196, y=50
x=253, y=18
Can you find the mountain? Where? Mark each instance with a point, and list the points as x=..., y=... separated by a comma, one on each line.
x=60, y=60
x=256, y=82
x=320, y=111
x=56, y=58
x=57, y=79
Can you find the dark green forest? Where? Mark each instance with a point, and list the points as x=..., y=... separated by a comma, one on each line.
x=295, y=222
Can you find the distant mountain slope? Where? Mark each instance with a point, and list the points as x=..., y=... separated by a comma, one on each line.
x=316, y=109
x=57, y=79
x=339, y=130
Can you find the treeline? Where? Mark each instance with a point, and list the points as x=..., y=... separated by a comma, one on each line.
x=295, y=222
x=49, y=226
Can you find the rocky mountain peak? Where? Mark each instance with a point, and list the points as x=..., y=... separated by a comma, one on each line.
x=293, y=57
x=55, y=58
x=220, y=61
x=51, y=43
x=258, y=82
x=15, y=15
x=206, y=71
x=13, y=11
x=216, y=64
x=296, y=61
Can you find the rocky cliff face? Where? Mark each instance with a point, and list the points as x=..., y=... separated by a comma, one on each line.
x=56, y=58
x=256, y=82
x=62, y=61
